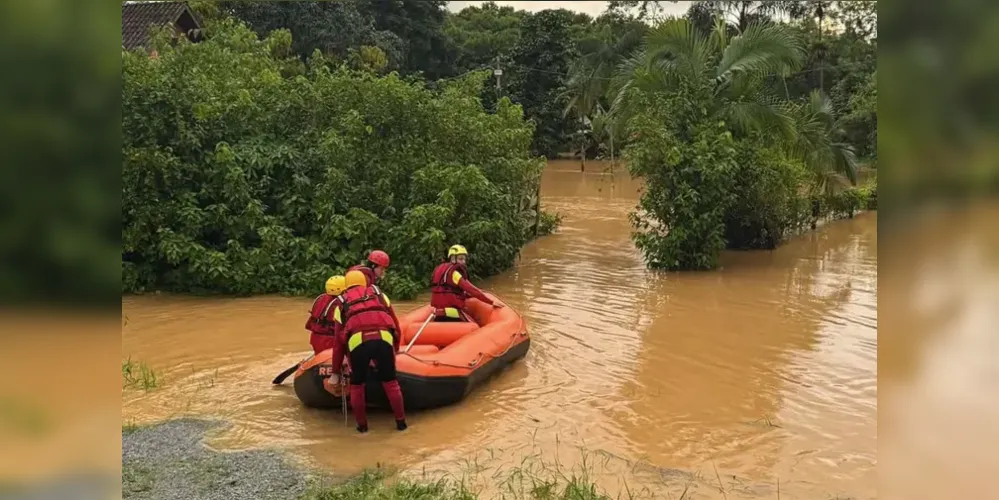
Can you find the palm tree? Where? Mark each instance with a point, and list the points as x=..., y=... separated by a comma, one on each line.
x=734, y=70
x=738, y=72
x=590, y=75
x=815, y=9
x=821, y=144
x=582, y=98
x=606, y=131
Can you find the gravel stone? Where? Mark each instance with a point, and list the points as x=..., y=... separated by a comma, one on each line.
x=168, y=461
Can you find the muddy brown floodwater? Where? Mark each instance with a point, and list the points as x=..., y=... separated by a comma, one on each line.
x=764, y=371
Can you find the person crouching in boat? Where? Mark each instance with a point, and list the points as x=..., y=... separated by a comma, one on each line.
x=369, y=331
x=374, y=267
x=320, y=321
x=449, y=287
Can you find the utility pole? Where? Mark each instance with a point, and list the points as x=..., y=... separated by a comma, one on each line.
x=498, y=73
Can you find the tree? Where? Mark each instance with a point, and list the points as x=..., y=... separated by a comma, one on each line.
x=861, y=122
x=710, y=140
x=644, y=9
x=541, y=58
x=333, y=28
x=239, y=180
x=821, y=144
x=841, y=59
x=484, y=34
x=734, y=69
x=420, y=25
x=859, y=19
x=611, y=39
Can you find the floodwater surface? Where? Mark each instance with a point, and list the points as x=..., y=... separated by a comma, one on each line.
x=726, y=384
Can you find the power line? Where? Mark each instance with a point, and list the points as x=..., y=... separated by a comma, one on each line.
x=539, y=70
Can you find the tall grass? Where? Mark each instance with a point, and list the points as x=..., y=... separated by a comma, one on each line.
x=379, y=484
x=136, y=374
x=532, y=479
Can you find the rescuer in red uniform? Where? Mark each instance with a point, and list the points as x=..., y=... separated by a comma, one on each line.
x=449, y=287
x=320, y=321
x=374, y=268
x=369, y=331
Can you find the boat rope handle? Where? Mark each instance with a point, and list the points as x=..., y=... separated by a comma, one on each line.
x=513, y=340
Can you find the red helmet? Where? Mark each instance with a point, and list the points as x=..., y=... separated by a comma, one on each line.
x=378, y=258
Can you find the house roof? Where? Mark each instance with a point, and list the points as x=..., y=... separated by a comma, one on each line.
x=136, y=17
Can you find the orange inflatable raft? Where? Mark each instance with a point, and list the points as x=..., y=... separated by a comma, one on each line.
x=448, y=360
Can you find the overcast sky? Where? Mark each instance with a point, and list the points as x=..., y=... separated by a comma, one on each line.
x=592, y=8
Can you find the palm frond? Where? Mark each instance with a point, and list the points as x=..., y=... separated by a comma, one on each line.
x=831, y=161
x=679, y=40
x=819, y=102
x=624, y=80
x=769, y=48
x=844, y=161
x=763, y=116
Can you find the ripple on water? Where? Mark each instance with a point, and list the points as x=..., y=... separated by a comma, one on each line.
x=764, y=369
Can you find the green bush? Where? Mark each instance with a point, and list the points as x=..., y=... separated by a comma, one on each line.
x=869, y=192
x=245, y=171
x=549, y=223
x=852, y=200
x=768, y=206
x=688, y=167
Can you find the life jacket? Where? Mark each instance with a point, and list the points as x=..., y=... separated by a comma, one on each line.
x=319, y=320
x=368, y=273
x=365, y=311
x=445, y=296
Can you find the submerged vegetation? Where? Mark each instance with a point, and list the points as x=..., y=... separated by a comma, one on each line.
x=137, y=375
x=247, y=170
x=730, y=158
x=296, y=136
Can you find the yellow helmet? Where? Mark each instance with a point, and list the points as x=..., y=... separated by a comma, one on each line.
x=456, y=250
x=335, y=285
x=355, y=278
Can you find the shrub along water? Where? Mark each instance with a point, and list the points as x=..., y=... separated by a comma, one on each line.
x=729, y=161
x=247, y=171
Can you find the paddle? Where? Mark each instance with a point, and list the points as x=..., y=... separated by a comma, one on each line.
x=285, y=374
x=418, y=332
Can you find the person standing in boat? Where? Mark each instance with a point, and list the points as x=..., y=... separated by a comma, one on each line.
x=374, y=267
x=369, y=331
x=320, y=321
x=450, y=288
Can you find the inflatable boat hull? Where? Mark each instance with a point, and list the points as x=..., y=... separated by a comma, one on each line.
x=448, y=361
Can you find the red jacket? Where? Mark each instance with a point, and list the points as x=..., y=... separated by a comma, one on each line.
x=320, y=319
x=450, y=287
x=364, y=309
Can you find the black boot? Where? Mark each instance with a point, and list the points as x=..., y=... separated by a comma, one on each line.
x=401, y=424
x=362, y=428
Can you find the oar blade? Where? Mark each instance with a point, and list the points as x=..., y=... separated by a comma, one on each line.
x=285, y=374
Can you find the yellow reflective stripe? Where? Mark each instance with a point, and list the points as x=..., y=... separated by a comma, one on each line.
x=451, y=312
x=387, y=301
x=356, y=339
x=336, y=315
x=456, y=277
x=353, y=341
